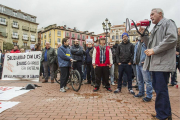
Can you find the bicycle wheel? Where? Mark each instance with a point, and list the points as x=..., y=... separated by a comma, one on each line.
x=75, y=80
x=57, y=75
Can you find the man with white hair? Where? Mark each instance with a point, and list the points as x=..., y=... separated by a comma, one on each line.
x=48, y=58
x=161, y=59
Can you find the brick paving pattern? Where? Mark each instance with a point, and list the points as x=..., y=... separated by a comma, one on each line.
x=47, y=103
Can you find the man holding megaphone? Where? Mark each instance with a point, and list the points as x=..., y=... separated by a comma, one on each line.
x=161, y=59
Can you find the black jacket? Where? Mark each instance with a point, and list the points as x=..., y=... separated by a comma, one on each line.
x=113, y=55
x=77, y=53
x=88, y=58
x=125, y=53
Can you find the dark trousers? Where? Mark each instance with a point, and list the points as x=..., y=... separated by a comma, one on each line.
x=162, y=103
x=128, y=70
x=90, y=73
x=78, y=66
x=64, y=76
x=102, y=72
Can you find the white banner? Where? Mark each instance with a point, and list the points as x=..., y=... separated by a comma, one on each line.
x=89, y=40
x=7, y=93
x=7, y=105
x=21, y=66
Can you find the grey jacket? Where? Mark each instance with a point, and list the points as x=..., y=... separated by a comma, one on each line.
x=162, y=40
x=77, y=53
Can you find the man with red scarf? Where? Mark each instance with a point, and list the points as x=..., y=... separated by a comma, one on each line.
x=102, y=61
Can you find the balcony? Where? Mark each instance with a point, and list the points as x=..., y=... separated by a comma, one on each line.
x=15, y=36
x=73, y=37
x=33, y=30
x=83, y=38
x=25, y=28
x=4, y=23
x=5, y=35
x=33, y=39
x=15, y=26
x=25, y=38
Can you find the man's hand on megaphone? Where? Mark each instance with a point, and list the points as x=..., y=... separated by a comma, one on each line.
x=141, y=30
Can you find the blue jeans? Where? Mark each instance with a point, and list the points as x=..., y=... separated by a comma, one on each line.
x=128, y=70
x=162, y=103
x=112, y=73
x=144, y=76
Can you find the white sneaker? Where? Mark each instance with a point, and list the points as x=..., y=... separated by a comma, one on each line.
x=62, y=90
x=112, y=83
x=66, y=88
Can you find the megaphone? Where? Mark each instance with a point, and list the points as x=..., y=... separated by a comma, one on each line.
x=130, y=24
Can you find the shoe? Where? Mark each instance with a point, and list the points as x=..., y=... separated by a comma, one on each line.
x=146, y=99
x=153, y=114
x=66, y=88
x=44, y=81
x=117, y=90
x=52, y=81
x=135, y=86
x=109, y=89
x=112, y=83
x=62, y=90
x=95, y=89
x=92, y=84
x=87, y=83
x=155, y=118
x=131, y=91
x=171, y=85
x=138, y=96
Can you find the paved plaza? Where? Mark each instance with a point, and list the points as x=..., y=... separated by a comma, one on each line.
x=47, y=103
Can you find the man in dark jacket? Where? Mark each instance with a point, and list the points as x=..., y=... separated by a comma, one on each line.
x=64, y=58
x=90, y=69
x=48, y=58
x=124, y=58
x=77, y=54
x=115, y=64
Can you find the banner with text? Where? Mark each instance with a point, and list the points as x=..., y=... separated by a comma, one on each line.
x=22, y=66
x=7, y=105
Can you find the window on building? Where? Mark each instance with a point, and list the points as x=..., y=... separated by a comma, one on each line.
x=49, y=33
x=113, y=37
x=67, y=34
x=2, y=9
x=33, y=38
x=116, y=37
x=24, y=17
x=24, y=44
x=14, y=13
x=15, y=24
x=59, y=33
x=95, y=38
x=134, y=37
x=78, y=36
x=59, y=40
x=3, y=21
x=44, y=35
x=83, y=37
x=73, y=35
x=25, y=37
x=112, y=31
x=50, y=41
x=14, y=35
x=44, y=42
x=14, y=43
x=32, y=19
x=41, y=43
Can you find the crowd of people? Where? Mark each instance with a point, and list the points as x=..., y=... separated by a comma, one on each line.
x=149, y=61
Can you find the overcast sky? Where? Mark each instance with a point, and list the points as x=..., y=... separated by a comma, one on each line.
x=89, y=14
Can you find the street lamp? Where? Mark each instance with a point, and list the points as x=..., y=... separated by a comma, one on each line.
x=106, y=27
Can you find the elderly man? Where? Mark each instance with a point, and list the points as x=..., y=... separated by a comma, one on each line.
x=77, y=54
x=161, y=59
x=48, y=58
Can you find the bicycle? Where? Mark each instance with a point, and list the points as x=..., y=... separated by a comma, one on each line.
x=74, y=77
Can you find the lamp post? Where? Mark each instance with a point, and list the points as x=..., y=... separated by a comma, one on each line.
x=106, y=27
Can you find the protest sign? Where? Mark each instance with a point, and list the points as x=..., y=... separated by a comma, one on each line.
x=89, y=41
x=7, y=105
x=7, y=93
x=21, y=66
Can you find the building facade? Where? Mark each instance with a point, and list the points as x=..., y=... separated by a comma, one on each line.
x=18, y=27
x=117, y=31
